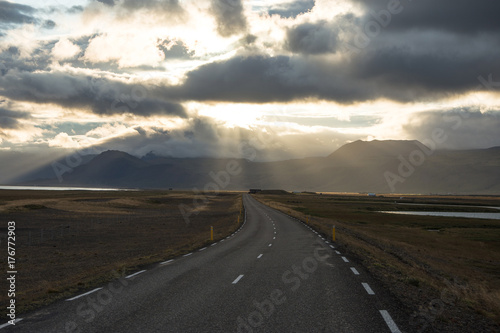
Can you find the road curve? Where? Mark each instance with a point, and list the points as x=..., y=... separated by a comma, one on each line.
x=273, y=275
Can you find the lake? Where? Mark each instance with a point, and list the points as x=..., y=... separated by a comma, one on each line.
x=495, y=216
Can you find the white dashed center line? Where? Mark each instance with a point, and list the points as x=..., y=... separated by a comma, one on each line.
x=237, y=279
x=167, y=262
x=135, y=274
x=368, y=289
x=388, y=320
x=82, y=295
x=345, y=259
x=355, y=271
x=260, y=256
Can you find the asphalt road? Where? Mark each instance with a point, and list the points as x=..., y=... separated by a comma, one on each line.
x=273, y=275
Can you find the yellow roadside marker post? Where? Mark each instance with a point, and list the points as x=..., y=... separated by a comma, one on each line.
x=211, y=233
x=333, y=233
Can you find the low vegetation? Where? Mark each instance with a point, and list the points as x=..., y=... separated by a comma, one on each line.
x=72, y=241
x=445, y=270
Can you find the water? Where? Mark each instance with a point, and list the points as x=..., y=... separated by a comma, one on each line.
x=48, y=188
x=494, y=216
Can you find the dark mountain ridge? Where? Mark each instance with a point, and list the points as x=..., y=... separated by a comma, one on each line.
x=375, y=166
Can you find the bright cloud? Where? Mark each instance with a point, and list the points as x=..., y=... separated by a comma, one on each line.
x=64, y=49
x=194, y=78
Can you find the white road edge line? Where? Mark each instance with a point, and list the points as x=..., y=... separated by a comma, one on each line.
x=368, y=289
x=203, y=249
x=213, y=244
x=332, y=246
x=270, y=245
x=337, y=252
x=83, y=295
x=187, y=255
x=8, y=324
x=355, y=271
x=167, y=262
x=345, y=259
x=135, y=274
x=388, y=320
x=260, y=256
x=238, y=279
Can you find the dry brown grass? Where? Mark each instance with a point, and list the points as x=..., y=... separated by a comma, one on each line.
x=71, y=241
x=458, y=266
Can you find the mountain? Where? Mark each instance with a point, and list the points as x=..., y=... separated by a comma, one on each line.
x=47, y=171
x=108, y=168
x=360, y=150
x=375, y=166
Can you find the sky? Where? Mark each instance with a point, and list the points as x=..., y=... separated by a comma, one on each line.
x=294, y=78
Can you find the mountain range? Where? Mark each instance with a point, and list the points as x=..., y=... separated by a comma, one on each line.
x=361, y=166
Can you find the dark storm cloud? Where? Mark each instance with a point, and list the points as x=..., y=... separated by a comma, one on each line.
x=49, y=24
x=242, y=79
x=292, y=9
x=249, y=39
x=261, y=79
x=404, y=66
x=16, y=13
x=75, y=9
x=171, y=8
x=9, y=119
x=175, y=49
x=312, y=38
x=461, y=16
x=10, y=59
x=427, y=72
x=101, y=96
x=229, y=16
x=161, y=5
x=107, y=2
x=395, y=74
x=456, y=129
x=167, y=10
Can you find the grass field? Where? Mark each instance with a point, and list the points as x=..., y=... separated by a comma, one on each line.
x=72, y=241
x=445, y=270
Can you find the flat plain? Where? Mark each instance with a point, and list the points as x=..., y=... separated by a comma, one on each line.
x=71, y=241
